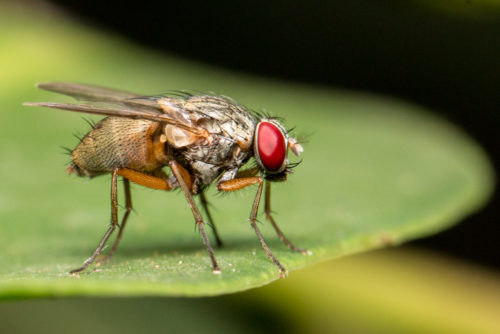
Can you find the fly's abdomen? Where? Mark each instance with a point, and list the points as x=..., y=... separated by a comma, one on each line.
x=117, y=142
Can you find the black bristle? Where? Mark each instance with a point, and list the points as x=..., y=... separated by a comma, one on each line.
x=90, y=122
x=303, y=138
x=78, y=136
x=263, y=114
x=66, y=150
x=294, y=164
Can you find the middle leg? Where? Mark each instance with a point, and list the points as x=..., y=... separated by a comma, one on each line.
x=184, y=180
x=178, y=171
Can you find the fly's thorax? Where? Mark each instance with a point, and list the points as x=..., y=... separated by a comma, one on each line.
x=220, y=139
x=223, y=116
x=207, y=162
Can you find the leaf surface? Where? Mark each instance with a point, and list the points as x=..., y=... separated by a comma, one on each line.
x=375, y=172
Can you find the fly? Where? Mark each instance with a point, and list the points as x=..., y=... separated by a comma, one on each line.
x=201, y=138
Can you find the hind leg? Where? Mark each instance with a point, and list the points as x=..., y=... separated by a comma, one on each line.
x=114, y=223
x=128, y=208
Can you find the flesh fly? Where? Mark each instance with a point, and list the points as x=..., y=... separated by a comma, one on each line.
x=201, y=138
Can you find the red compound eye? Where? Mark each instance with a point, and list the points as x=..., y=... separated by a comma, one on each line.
x=271, y=147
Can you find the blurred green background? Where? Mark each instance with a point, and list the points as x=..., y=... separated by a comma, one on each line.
x=399, y=290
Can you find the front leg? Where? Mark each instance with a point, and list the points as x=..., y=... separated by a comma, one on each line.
x=240, y=183
x=267, y=211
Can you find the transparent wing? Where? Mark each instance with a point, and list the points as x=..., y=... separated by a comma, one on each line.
x=108, y=95
x=87, y=92
x=124, y=104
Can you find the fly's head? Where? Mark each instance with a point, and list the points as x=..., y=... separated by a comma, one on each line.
x=271, y=144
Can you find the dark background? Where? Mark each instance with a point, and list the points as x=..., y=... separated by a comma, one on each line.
x=441, y=54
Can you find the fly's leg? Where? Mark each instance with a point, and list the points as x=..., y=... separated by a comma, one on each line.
x=240, y=183
x=184, y=179
x=267, y=211
x=253, y=216
x=128, y=207
x=139, y=178
x=145, y=180
x=114, y=223
x=204, y=205
x=181, y=175
x=136, y=177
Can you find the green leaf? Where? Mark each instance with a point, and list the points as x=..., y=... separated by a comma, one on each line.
x=375, y=172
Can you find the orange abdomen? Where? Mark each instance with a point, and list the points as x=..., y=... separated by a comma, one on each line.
x=117, y=142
